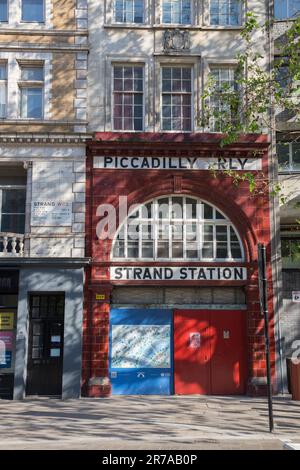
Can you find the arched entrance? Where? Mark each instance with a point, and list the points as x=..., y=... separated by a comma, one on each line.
x=167, y=337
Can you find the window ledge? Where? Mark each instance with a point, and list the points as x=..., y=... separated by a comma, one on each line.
x=161, y=26
x=289, y=172
x=285, y=20
x=13, y=29
x=40, y=121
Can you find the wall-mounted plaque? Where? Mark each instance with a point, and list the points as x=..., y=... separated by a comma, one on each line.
x=51, y=213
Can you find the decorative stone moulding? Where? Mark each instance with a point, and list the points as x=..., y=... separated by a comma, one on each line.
x=175, y=40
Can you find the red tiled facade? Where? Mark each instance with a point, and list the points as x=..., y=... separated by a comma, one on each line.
x=250, y=214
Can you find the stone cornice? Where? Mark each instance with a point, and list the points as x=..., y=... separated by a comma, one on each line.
x=26, y=138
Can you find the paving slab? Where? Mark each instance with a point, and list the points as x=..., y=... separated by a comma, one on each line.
x=184, y=422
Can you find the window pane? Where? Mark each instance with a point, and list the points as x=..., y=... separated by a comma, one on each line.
x=128, y=107
x=294, y=8
x=32, y=103
x=225, y=12
x=236, y=252
x=32, y=73
x=3, y=95
x=283, y=153
x=129, y=11
x=119, y=249
x=176, y=11
x=296, y=156
x=286, y=9
x=3, y=74
x=13, y=200
x=33, y=10
x=3, y=10
x=191, y=208
x=173, y=230
x=163, y=249
x=176, y=99
x=219, y=216
x=14, y=223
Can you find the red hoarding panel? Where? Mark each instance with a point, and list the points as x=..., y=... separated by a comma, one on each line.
x=209, y=352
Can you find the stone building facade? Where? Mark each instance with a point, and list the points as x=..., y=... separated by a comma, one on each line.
x=43, y=132
x=287, y=128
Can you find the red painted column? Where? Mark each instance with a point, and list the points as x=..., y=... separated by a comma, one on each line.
x=96, y=344
x=257, y=370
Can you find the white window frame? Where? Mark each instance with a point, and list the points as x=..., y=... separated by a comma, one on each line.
x=227, y=25
x=109, y=15
x=177, y=24
x=128, y=22
x=33, y=22
x=14, y=19
x=290, y=168
x=218, y=66
x=127, y=64
x=5, y=85
x=14, y=59
x=200, y=221
x=26, y=84
x=179, y=65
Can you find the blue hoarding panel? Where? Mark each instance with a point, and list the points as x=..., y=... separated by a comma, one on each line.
x=141, y=357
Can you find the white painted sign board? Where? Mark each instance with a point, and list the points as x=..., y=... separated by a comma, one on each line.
x=51, y=213
x=177, y=163
x=189, y=273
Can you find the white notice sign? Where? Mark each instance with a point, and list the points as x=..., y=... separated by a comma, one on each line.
x=189, y=273
x=296, y=296
x=51, y=213
x=178, y=163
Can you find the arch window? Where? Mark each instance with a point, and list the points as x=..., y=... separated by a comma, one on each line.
x=177, y=228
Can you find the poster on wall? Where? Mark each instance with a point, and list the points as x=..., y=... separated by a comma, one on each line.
x=141, y=346
x=6, y=346
x=51, y=213
x=6, y=320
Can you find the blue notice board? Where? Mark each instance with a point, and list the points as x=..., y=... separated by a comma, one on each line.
x=141, y=355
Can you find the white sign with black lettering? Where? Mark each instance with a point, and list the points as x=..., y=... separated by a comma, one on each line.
x=177, y=163
x=51, y=213
x=178, y=273
x=296, y=296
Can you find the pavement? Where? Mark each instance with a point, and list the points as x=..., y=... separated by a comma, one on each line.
x=149, y=422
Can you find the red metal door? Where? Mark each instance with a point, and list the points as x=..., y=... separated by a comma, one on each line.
x=228, y=361
x=209, y=352
x=192, y=351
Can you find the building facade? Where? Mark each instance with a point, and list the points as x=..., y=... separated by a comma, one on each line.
x=288, y=150
x=128, y=256
x=43, y=131
x=171, y=298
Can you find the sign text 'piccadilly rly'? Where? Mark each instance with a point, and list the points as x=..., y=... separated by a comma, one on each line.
x=177, y=163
